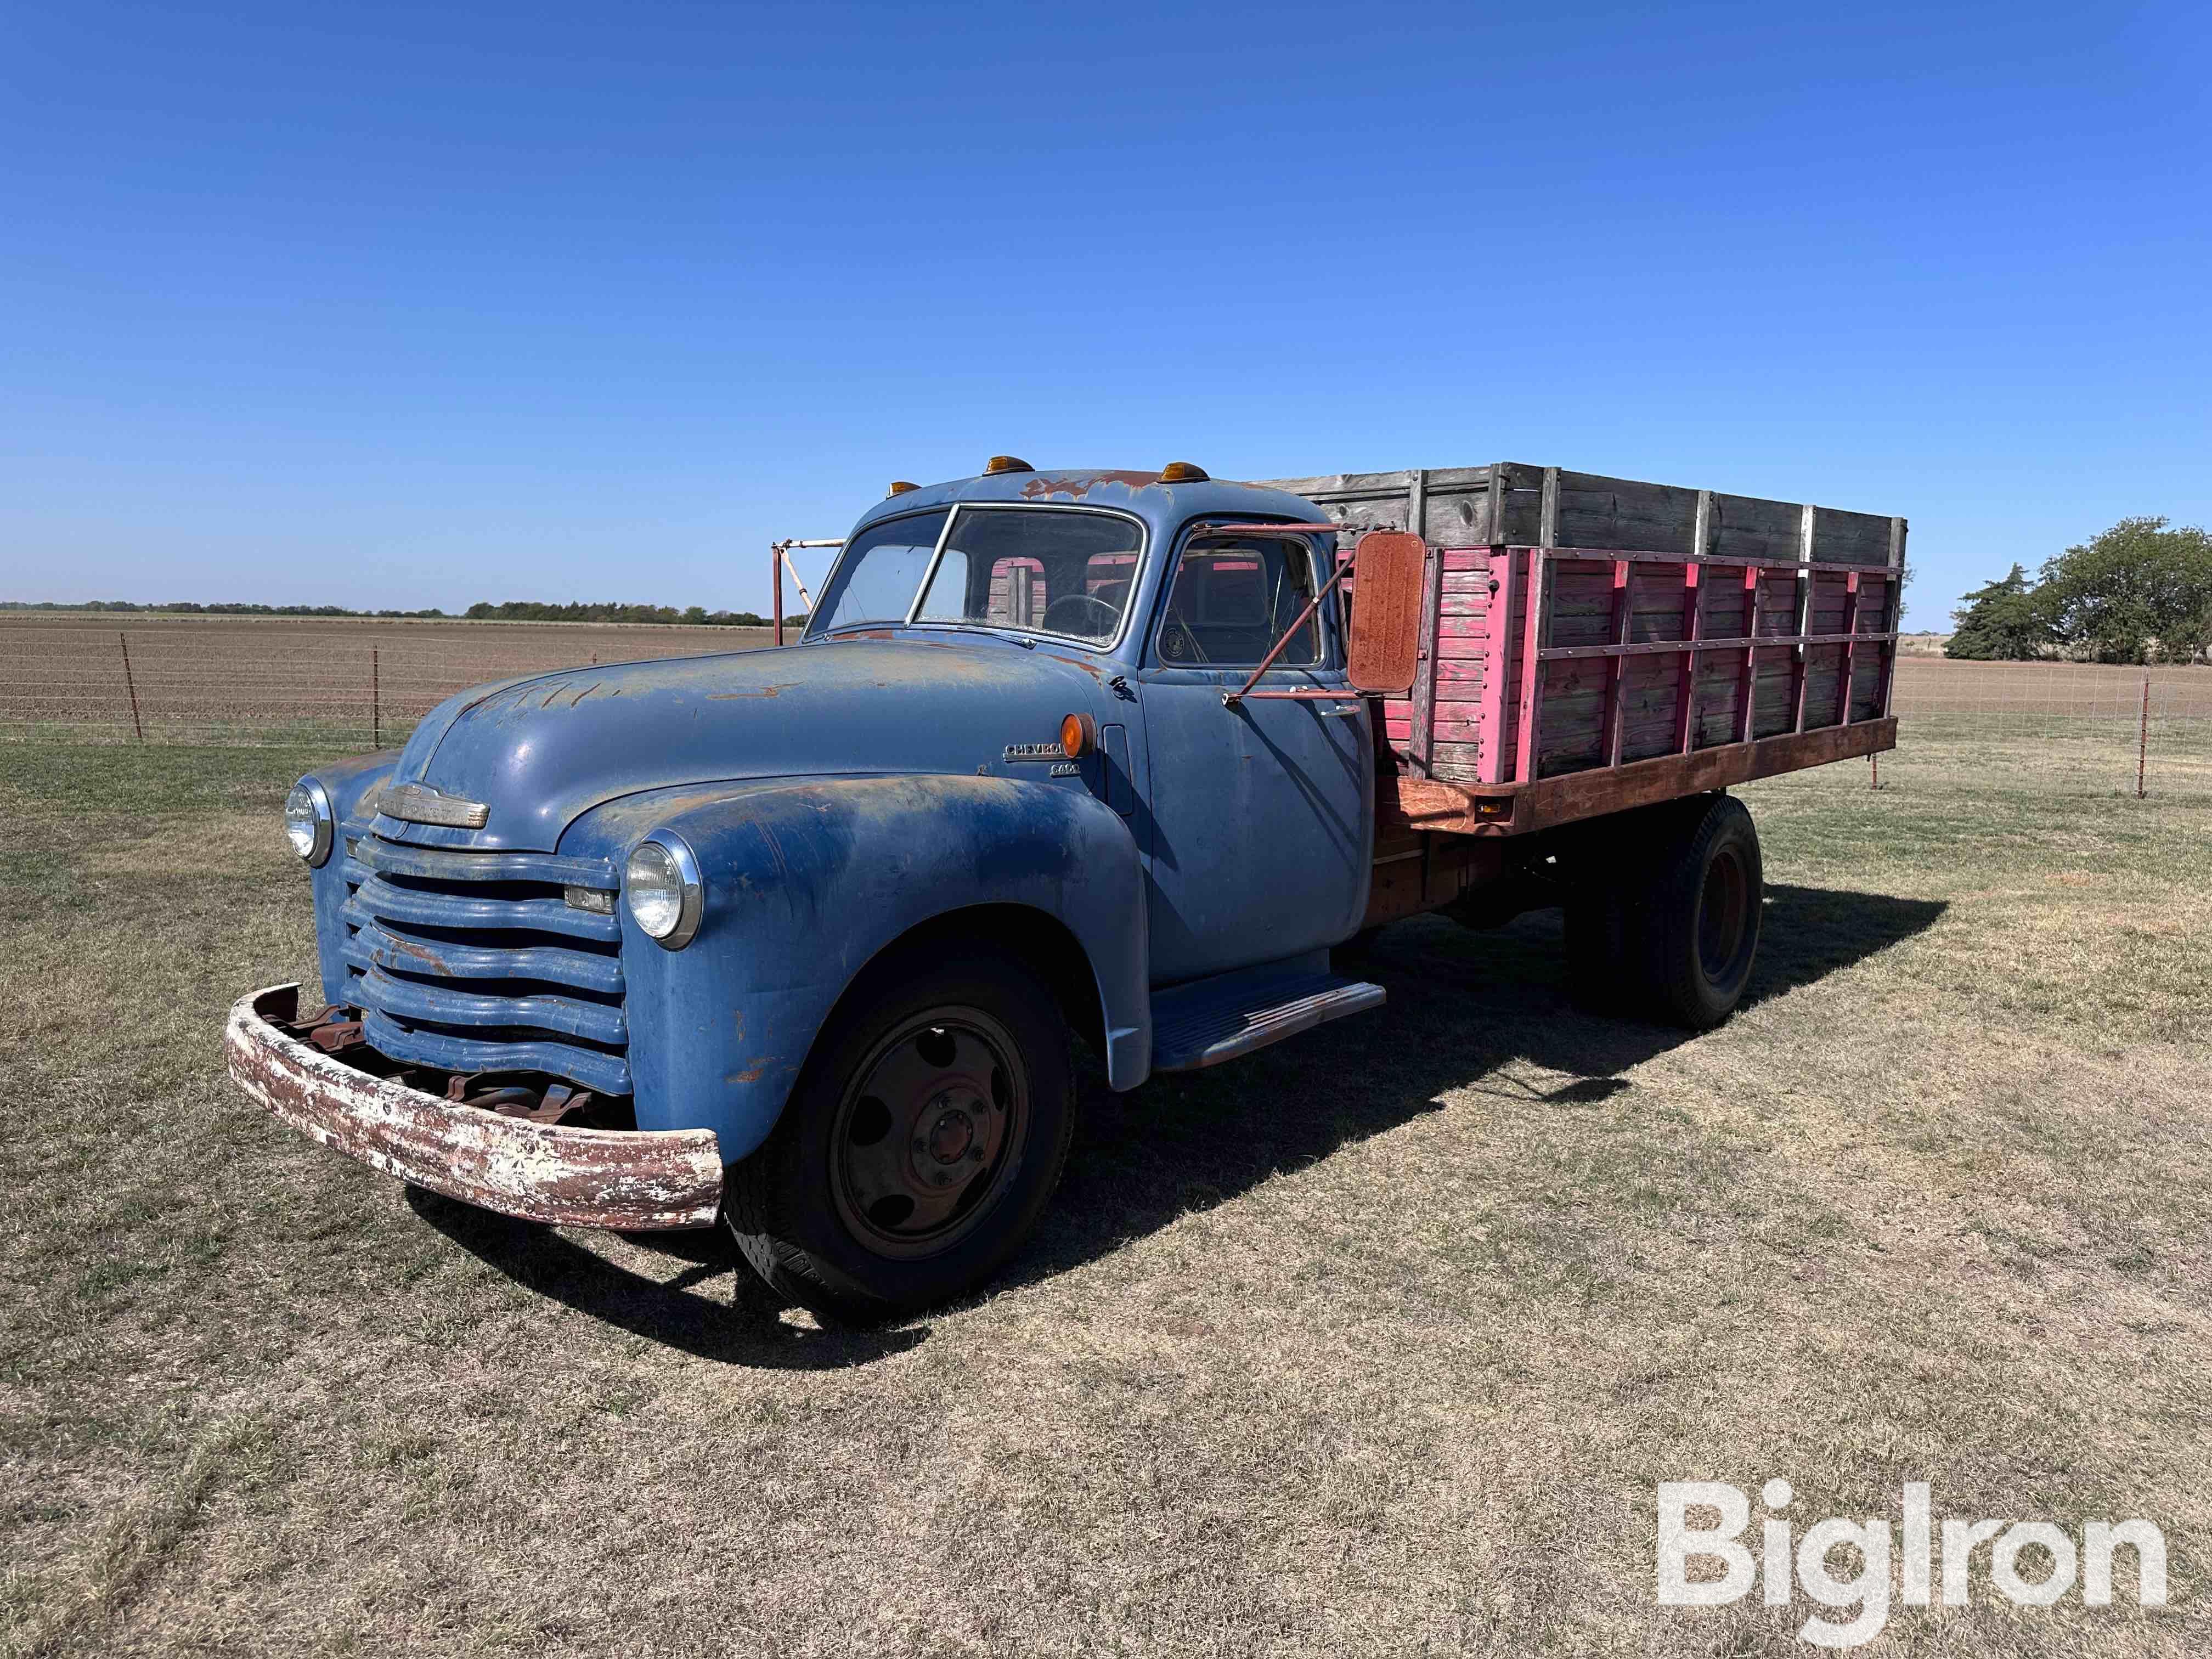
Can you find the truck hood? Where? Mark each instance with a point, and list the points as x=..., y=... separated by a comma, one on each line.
x=540, y=751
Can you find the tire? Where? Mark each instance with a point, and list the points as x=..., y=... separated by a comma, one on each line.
x=921, y=1144
x=1596, y=921
x=1692, y=934
x=1354, y=954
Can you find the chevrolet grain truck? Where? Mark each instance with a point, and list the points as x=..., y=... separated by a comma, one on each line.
x=800, y=939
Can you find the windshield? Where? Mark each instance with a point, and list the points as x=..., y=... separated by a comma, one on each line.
x=1042, y=570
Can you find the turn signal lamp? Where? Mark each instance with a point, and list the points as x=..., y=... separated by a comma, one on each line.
x=1078, y=733
x=1183, y=473
x=1006, y=464
x=900, y=486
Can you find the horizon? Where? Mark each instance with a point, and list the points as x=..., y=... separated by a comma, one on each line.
x=389, y=310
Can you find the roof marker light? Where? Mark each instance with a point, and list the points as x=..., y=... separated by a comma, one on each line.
x=1006, y=464
x=900, y=487
x=1183, y=473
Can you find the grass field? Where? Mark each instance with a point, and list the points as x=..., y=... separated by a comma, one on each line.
x=1376, y=1343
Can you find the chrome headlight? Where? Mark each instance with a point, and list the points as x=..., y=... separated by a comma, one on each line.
x=309, y=822
x=662, y=887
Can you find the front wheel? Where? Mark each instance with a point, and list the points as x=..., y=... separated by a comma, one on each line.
x=921, y=1143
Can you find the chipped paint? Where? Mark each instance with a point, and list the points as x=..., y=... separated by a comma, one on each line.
x=632, y=1180
x=1077, y=485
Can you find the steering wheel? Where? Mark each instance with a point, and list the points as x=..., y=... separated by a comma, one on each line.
x=1113, y=615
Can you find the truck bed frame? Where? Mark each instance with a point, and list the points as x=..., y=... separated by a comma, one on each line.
x=1589, y=644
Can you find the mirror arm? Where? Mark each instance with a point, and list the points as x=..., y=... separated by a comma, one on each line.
x=1231, y=699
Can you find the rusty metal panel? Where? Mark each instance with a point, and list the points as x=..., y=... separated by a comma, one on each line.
x=629, y=1180
x=1389, y=568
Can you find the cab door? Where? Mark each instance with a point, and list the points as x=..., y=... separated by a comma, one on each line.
x=1262, y=812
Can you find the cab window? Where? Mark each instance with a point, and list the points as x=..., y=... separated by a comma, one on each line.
x=1045, y=570
x=1233, y=598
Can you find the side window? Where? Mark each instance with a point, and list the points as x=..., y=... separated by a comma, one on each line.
x=1233, y=598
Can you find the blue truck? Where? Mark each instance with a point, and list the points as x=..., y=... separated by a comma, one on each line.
x=801, y=940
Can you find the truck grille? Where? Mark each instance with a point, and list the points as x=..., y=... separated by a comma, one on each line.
x=475, y=962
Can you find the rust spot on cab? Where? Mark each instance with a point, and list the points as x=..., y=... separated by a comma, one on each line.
x=1076, y=488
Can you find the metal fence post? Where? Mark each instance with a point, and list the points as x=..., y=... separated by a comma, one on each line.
x=131, y=684
x=2142, y=739
x=375, y=703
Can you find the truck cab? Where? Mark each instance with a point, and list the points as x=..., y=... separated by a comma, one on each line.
x=800, y=939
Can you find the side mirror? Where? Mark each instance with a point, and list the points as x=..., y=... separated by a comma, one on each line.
x=1387, y=568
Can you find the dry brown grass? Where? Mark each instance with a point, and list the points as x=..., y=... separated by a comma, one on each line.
x=1374, y=1343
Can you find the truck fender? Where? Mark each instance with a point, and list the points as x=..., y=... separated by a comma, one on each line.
x=808, y=880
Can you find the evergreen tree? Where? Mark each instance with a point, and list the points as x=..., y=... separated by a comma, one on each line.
x=2002, y=621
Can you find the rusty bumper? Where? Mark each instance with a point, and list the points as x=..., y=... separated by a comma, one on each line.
x=631, y=1180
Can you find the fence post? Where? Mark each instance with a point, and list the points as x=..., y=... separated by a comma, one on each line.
x=131, y=684
x=375, y=702
x=1874, y=761
x=2142, y=739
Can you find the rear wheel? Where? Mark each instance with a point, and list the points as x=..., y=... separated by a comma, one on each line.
x=1597, y=923
x=1698, y=916
x=1667, y=921
x=920, y=1145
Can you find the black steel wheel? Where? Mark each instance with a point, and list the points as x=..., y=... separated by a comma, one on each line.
x=931, y=1123
x=921, y=1143
x=1697, y=921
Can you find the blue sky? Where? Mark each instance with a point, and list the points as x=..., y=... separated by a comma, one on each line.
x=405, y=306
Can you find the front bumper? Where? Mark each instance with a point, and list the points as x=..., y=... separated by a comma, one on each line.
x=627, y=1179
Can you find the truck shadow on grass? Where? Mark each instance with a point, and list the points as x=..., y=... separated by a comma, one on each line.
x=1465, y=1008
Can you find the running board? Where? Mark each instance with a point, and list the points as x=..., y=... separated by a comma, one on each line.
x=1210, y=1020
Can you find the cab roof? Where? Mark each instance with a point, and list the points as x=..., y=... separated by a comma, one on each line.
x=1167, y=508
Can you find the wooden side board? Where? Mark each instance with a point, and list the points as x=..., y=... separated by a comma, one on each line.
x=1513, y=503
x=1419, y=805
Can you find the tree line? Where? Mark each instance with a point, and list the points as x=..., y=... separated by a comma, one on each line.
x=2140, y=592
x=695, y=616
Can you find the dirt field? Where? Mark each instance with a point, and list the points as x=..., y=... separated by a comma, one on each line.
x=288, y=679
x=1376, y=1343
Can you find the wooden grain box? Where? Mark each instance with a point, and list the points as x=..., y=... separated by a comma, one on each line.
x=1575, y=624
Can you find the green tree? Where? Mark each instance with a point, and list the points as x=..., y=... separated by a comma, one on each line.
x=2001, y=621
x=2138, y=592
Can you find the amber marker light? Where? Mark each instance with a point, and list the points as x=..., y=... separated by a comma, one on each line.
x=999, y=463
x=1078, y=733
x=901, y=487
x=1183, y=473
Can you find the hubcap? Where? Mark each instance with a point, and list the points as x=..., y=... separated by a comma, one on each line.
x=927, y=1132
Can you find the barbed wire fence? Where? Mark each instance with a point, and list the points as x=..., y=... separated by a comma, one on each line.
x=2075, y=728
